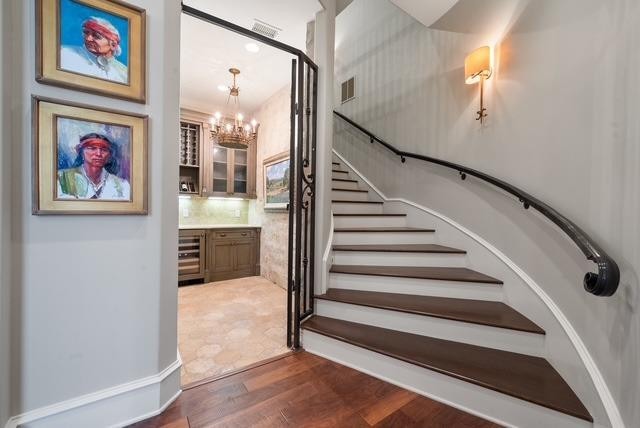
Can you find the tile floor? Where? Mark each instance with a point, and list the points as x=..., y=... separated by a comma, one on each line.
x=227, y=325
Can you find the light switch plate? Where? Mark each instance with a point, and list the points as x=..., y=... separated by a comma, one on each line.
x=185, y=212
x=236, y=213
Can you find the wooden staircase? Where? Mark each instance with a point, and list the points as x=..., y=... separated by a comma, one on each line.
x=405, y=308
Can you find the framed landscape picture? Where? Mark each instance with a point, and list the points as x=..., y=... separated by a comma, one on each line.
x=92, y=45
x=276, y=182
x=88, y=160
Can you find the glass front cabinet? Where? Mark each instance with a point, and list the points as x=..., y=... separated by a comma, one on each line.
x=232, y=171
x=224, y=172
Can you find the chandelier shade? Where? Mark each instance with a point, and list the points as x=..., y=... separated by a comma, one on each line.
x=233, y=134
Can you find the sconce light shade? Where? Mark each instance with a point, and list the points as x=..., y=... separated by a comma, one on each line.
x=477, y=65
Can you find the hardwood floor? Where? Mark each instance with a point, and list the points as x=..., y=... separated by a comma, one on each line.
x=303, y=390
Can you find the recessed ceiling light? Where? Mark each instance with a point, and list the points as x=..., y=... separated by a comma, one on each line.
x=223, y=88
x=252, y=47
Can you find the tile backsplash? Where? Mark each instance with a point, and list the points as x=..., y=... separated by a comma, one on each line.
x=197, y=210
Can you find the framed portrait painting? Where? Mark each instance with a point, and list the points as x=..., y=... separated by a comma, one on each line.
x=276, y=182
x=88, y=161
x=92, y=45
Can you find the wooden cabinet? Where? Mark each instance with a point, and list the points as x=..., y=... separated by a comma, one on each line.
x=234, y=253
x=192, y=255
x=214, y=170
x=218, y=254
x=221, y=259
x=231, y=172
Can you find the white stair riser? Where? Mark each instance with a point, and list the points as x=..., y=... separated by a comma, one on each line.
x=344, y=184
x=341, y=175
x=365, y=221
x=349, y=196
x=356, y=208
x=457, y=331
x=421, y=287
x=398, y=259
x=354, y=238
x=486, y=403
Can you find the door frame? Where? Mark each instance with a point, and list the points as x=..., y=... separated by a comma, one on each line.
x=302, y=176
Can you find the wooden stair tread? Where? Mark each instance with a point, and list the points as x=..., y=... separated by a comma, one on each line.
x=459, y=274
x=383, y=229
x=400, y=248
x=494, y=314
x=335, y=163
x=341, y=172
x=345, y=180
x=344, y=201
x=369, y=215
x=350, y=190
x=524, y=377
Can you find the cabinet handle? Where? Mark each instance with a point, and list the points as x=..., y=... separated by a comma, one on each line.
x=244, y=233
x=223, y=234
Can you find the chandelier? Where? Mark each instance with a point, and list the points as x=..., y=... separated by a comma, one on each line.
x=233, y=133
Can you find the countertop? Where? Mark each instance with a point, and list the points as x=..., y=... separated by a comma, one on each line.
x=217, y=226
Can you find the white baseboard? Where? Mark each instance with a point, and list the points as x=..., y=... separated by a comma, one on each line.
x=112, y=407
x=609, y=404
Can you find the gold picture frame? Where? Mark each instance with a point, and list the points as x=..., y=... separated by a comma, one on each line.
x=88, y=160
x=96, y=46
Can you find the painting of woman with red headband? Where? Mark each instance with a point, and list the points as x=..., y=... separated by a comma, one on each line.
x=93, y=160
x=88, y=160
x=93, y=42
x=96, y=45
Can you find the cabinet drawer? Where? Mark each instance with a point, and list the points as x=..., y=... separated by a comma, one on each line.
x=234, y=234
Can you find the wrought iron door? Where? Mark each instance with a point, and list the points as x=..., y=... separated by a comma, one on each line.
x=302, y=186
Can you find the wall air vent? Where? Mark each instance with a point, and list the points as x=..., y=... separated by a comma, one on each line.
x=348, y=90
x=265, y=29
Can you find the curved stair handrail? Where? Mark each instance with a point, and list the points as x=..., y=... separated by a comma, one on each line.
x=603, y=283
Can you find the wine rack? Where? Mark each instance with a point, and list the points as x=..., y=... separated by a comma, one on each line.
x=189, y=144
x=189, y=154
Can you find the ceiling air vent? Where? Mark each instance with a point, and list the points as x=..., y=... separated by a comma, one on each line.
x=348, y=90
x=265, y=29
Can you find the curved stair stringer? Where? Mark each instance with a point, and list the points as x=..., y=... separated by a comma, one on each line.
x=564, y=348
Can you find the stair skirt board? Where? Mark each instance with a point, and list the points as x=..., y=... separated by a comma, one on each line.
x=354, y=238
x=488, y=404
x=421, y=287
x=353, y=208
x=457, y=331
x=399, y=259
x=369, y=221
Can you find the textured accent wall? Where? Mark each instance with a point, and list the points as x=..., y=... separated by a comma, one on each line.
x=273, y=138
x=213, y=211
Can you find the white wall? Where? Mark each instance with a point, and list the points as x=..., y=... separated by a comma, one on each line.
x=94, y=298
x=274, y=137
x=5, y=228
x=563, y=106
x=324, y=57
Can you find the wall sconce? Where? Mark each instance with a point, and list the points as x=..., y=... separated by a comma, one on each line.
x=477, y=68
